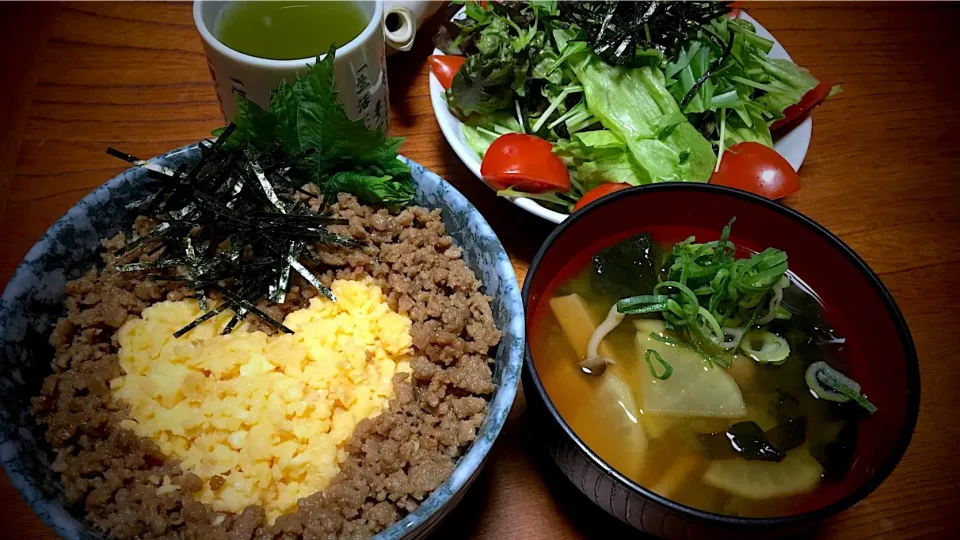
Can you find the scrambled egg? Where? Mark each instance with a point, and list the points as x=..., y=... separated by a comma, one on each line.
x=269, y=414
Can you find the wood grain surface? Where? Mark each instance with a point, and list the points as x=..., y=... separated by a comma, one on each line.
x=882, y=173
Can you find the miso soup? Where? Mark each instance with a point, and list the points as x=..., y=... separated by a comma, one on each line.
x=703, y=372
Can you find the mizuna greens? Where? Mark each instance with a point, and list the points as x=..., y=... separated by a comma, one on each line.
x=628, y=92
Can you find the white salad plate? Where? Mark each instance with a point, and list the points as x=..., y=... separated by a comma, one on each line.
x=792, y=145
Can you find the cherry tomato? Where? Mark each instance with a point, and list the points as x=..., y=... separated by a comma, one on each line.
x=795, y=114
x=445, y=66
x=756, y=168
x=524, y=162
x=734, y=9
x=598, y=193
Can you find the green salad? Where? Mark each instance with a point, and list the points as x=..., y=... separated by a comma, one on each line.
x=627, y=92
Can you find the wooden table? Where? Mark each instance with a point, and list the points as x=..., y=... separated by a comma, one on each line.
x=882, y=173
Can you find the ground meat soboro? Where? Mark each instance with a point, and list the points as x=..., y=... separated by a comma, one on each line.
x=393, y=460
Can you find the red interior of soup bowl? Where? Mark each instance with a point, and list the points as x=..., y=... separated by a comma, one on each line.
x=880, y=355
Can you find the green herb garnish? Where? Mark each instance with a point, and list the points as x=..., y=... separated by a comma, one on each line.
x=727, y=85
x=236, y=223
x=337, y=154
x=708, y=295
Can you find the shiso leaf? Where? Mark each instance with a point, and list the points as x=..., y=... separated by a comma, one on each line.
x=306, y=119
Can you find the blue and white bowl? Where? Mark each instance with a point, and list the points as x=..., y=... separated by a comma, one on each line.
x=34, y=300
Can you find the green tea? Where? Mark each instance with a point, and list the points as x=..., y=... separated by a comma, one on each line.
x=288, y=30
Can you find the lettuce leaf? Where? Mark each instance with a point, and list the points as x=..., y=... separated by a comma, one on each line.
x=341, y=155
x=738, y=130
x=633, y=104
x=617, y=168
x=792, y=80
x=481, y=131
x=590, y=145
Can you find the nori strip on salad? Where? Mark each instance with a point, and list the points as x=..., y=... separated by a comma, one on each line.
x=627, y=92
x=615, y=30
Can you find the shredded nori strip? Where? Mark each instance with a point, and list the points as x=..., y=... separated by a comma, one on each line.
x=230, y=222
x=616, y=30
x=202, y=319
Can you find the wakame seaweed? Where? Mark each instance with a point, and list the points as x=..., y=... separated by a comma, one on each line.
x=789, y=434
x=836, y=457
x=627, y=268
x=748, y=441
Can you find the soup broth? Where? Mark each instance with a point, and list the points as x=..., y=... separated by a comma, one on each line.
x=679, y=436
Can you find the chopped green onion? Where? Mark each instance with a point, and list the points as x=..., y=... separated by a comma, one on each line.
x=831, y=385
x=634, y=301
x=667, y=368
x=707, y=292
x=775, y=300
x=731, y=338
x=712, y=327
x=640, y=310
x=765, y=347
x=668, y=340
x=783, y=313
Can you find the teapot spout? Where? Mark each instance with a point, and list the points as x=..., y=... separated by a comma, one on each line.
x=401, y=18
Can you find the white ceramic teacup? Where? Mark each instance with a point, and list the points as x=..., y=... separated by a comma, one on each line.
x=360, y=74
